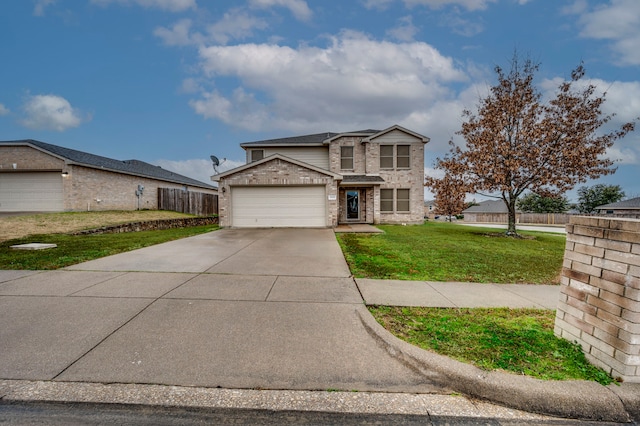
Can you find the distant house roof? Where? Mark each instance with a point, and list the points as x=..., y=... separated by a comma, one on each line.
x=632, y=203
x=489, y=206
x=131, y=167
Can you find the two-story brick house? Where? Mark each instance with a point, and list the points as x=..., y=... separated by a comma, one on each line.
x=326, y=179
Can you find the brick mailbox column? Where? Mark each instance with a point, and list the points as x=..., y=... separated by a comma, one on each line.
x=599, y=303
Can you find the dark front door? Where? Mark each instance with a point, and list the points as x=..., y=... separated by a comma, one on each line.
x=353, y=205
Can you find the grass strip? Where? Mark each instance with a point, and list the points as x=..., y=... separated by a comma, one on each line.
x=450, y=252
x=74, y=249
x=520, y=341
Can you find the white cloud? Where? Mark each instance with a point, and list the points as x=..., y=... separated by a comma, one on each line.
x=377, y=4
x=170, y=5
x=41, y=5
x=436, y=4
x=298, y=8
x=177, y=35
x=470, y=5
x=354, y=81
x=50, y=112
x=236, y=24
x=618, y=21
x=405, y=30
x=198, y=169
x=4, y=110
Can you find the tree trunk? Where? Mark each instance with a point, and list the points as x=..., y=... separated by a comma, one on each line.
x=511, y=207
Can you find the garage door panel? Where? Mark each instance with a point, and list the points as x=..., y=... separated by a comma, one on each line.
x=278, y=206
x=38, y=191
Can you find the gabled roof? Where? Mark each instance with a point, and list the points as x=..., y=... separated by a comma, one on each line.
x=396, y=127
x=315, y=139
x=271, y=158
x=319, y=139
x=632, y=203
x=131, y=167
x=489, y=206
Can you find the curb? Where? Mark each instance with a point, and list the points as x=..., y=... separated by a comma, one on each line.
x=577, y=399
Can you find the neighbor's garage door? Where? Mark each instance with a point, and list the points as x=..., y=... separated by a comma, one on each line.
x=31, y=192
x=278, y=206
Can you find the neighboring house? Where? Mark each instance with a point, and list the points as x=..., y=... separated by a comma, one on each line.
x=430, y=209
x=627, y=208
x=37, y=176
x=326, y=179
x=487, y=211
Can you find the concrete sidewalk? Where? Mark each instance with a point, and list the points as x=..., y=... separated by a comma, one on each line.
x=457, y=295
x=250, y=309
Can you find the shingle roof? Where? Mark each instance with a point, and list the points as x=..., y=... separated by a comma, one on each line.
x=489, y=206
x=315, y=139
x=133, y=167
x=361, y=179
x=632, y=203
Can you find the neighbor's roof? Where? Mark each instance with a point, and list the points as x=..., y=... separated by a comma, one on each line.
x=489, y=206
x=131, y=167
x=632, y=203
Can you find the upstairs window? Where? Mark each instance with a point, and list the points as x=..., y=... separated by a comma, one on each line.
x=403, y=157
x=395, y=157
x=386, y=156
x=257, y=154
x=346, y=157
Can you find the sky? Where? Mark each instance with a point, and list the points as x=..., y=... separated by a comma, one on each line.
x=172, y=82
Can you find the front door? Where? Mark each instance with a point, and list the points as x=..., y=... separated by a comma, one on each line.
x=353, y=205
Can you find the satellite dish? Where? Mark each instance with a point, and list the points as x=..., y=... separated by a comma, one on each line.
x=216, y=162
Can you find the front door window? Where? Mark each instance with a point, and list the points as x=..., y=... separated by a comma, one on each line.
x=353, y=205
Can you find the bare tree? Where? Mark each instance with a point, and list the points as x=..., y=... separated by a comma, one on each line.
x=515, y=142
x=449, y=194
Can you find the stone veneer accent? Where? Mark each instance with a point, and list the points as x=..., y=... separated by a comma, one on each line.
x=151, y=225
x=599, y=303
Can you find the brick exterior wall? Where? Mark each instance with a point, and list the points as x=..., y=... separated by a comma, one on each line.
x=84, y=186
x=599, y=303
x=277, y=172
x=367, y=162
x=27, y=158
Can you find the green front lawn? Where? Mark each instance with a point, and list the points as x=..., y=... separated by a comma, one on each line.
x=451, y=252
x=74, y=249
x=516, y=340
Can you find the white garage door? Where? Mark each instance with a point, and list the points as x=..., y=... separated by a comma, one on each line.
x=278, y=206
x=31, y=192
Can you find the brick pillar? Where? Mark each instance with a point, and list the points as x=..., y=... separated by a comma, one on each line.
x=599, y=303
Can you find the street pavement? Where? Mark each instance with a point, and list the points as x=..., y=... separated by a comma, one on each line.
x=274, y=310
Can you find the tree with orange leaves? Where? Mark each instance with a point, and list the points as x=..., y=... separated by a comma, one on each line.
x=449, y=194
x=516, y=142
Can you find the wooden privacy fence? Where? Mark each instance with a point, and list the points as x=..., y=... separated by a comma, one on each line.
x=178, y=200
x=536, y=218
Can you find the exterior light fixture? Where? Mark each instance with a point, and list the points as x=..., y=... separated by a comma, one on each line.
x=65, y=174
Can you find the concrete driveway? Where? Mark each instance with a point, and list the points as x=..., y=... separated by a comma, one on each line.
x=270, y=308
